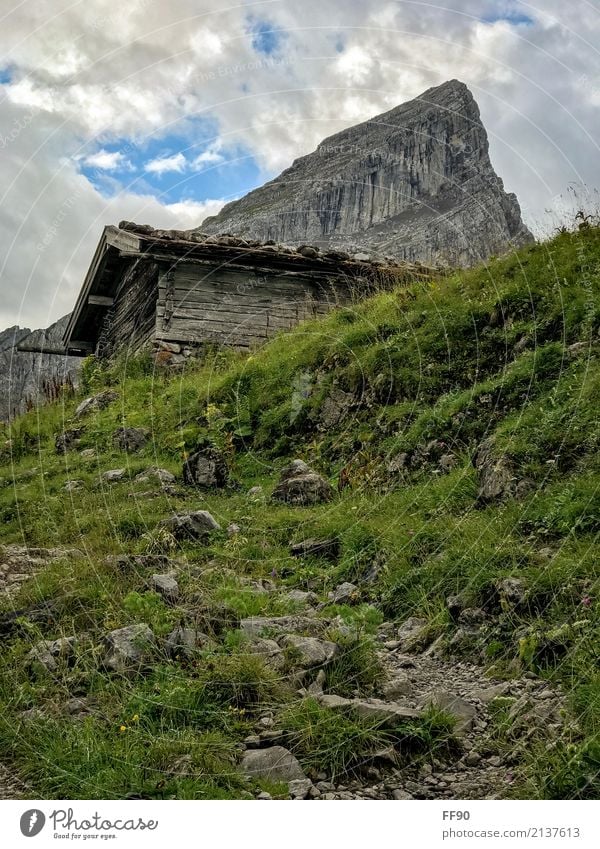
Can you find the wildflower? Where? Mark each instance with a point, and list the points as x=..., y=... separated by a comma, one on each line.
x=586, y=601
x=135, y=717
x=122, y=728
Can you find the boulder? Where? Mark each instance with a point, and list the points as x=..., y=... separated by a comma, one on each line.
x=130, y=439
x=329, y=549
x=96, y=402
x=195, y=526
x=166, y=586
x=310, y=651
x=206, y=469
x=129, y=648
x=274, y=764
x=300, y=485
x=68, y=440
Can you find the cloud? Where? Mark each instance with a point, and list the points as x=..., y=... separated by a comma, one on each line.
x=177, y=162
x=222, y=86
x=107, y=160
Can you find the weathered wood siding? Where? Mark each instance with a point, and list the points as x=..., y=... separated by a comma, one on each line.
x=241, y=307
x=131, y=323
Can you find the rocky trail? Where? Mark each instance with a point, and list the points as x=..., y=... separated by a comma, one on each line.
x=477, y=768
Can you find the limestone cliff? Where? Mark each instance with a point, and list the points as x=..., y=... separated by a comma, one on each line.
x=415, y=183
x=24, y=377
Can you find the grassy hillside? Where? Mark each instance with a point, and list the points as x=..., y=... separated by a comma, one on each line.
x=390, y=401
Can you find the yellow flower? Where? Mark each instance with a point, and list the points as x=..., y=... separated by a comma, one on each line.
x=135, y=718
x=122, y=728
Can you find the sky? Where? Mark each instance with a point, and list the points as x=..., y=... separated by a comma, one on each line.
x=162, y=112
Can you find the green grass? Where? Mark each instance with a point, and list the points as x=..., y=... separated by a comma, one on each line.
x=430, y=360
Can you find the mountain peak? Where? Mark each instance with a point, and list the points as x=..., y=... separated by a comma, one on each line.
x=415, y=182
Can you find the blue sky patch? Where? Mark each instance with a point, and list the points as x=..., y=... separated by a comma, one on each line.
x=266, y=37
x=5, y=76
x=511, y=16
x=171, y=168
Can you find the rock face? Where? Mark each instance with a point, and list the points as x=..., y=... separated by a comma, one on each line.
x=24, y=377
x=415, y=182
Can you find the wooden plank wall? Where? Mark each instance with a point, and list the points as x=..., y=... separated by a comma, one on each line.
x=131, y=324
x=239, y=306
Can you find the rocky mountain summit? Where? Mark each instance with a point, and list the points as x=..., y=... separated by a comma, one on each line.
x=415, y=183
x=25, y=377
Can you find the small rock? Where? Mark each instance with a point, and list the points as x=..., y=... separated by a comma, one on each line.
x=273, y=764
x=300, y=485
x=68, y=440
x=329, y=549
x=512, y=592
x=233, y=530
x=73, y=486
x=301, y=597
x=472, y=758
x=96, y=402
x=113, y=475
x=270, y=651
x=496, y=474
x=195, y=526
x=166, y=586
x=472, y=616
x=411, y=634
x=310, y=651
x=87, y=453
x=131, y=439
x=185, y=642
x=300, y=788
x=163, y=476
x=488, y=694
x=255, y=493
x=401, y=795
x=343, y=593
x=49, y=653
x=398, y=463
x=128, y=648
x=384, y=712
x=254, y=626
x=397, y=687
x=206, y=469
x=463, y=711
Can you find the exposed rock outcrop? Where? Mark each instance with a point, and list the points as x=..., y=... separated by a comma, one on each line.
x=26, y=378
x=415, y=183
